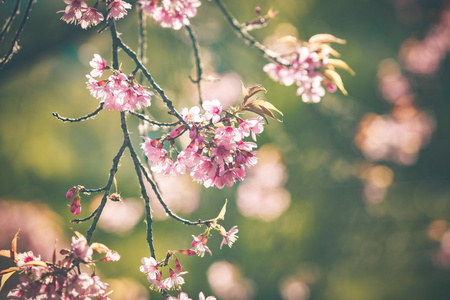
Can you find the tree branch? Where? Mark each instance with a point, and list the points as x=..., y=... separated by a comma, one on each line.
x=92, y=114
x=13, y=49
x=198, y=64
x=243, y=33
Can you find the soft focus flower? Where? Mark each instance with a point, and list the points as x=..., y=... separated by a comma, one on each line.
x=201, y=296
x=81, y=249
x=25, y=257
x=111, y=256
x=230, y=237
x=171, y=14
x=91, y=17
x=118, y=9
x=227, y=282
x=310, y=67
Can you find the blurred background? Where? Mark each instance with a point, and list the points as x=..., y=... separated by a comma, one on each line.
x=351, y=196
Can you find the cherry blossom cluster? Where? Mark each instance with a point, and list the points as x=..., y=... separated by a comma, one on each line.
x=169, y=13
x=59, y=279
x=311, y=68
x=184, y=296
x=79, y=13
x=151, y=267
x=217, y=154
x=119, y=92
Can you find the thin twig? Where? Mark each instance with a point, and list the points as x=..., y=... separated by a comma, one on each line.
x=164, y=205
x=160, y=124
x=198, y=64
x=8, y=23
x=149, y=78
x=142, y=40
x=12, y=50
x=148, y=211
x=85, y=219
x=88, y=116
x=243, y=33
x=112, y=173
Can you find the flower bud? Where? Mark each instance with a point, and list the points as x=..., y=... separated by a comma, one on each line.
x=75, y=207
x=71, y=192
x=176, y=132
x=187, y=252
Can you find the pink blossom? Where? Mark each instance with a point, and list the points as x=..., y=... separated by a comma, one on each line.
x=23, y=258
x=118, y=9
x=90, y=17
x=81, y=249
x=191, y=115
x=201, y=296
x=222, y=151
x=230, y=237
x=149, y=266
x=111, y=256
x=171, y=14
x=157, y=282
x=73, y=11
x=181, y=296
x=251, y=126
x=98, y=64
x=199, y=244
x=213, y=109
x=174, y=280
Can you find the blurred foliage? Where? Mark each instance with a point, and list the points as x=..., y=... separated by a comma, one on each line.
x=341, y=246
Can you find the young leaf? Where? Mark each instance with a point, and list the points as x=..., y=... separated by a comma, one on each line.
x=221, y=215
x=340, y=64
x=248, y=92
x=336, y=79
x=99, y=248
x=5, y=274
x=262, y=108
x=37, y=263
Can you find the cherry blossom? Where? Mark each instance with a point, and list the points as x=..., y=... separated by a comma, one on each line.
x=118, y=9
x=99, y=65
x=149, y=266
x=171, y=14
x=199, y=244
x=81, y=249
x=213, y=109
x=91, y=17
x=230, y=237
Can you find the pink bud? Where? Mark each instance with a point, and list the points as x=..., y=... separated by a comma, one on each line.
x=71, y=192
x=193, y=133
x=187, y=252
x=75, y=207
x=178, y=266
x=174, y=133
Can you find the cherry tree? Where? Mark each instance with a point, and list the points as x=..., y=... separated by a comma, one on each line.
x=222, y=141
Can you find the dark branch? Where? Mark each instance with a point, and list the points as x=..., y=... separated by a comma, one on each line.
x=160, y=124
x=8, y=23
x=92, y=114
x=198, y=64
x=243, y=33
x=13, y=48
